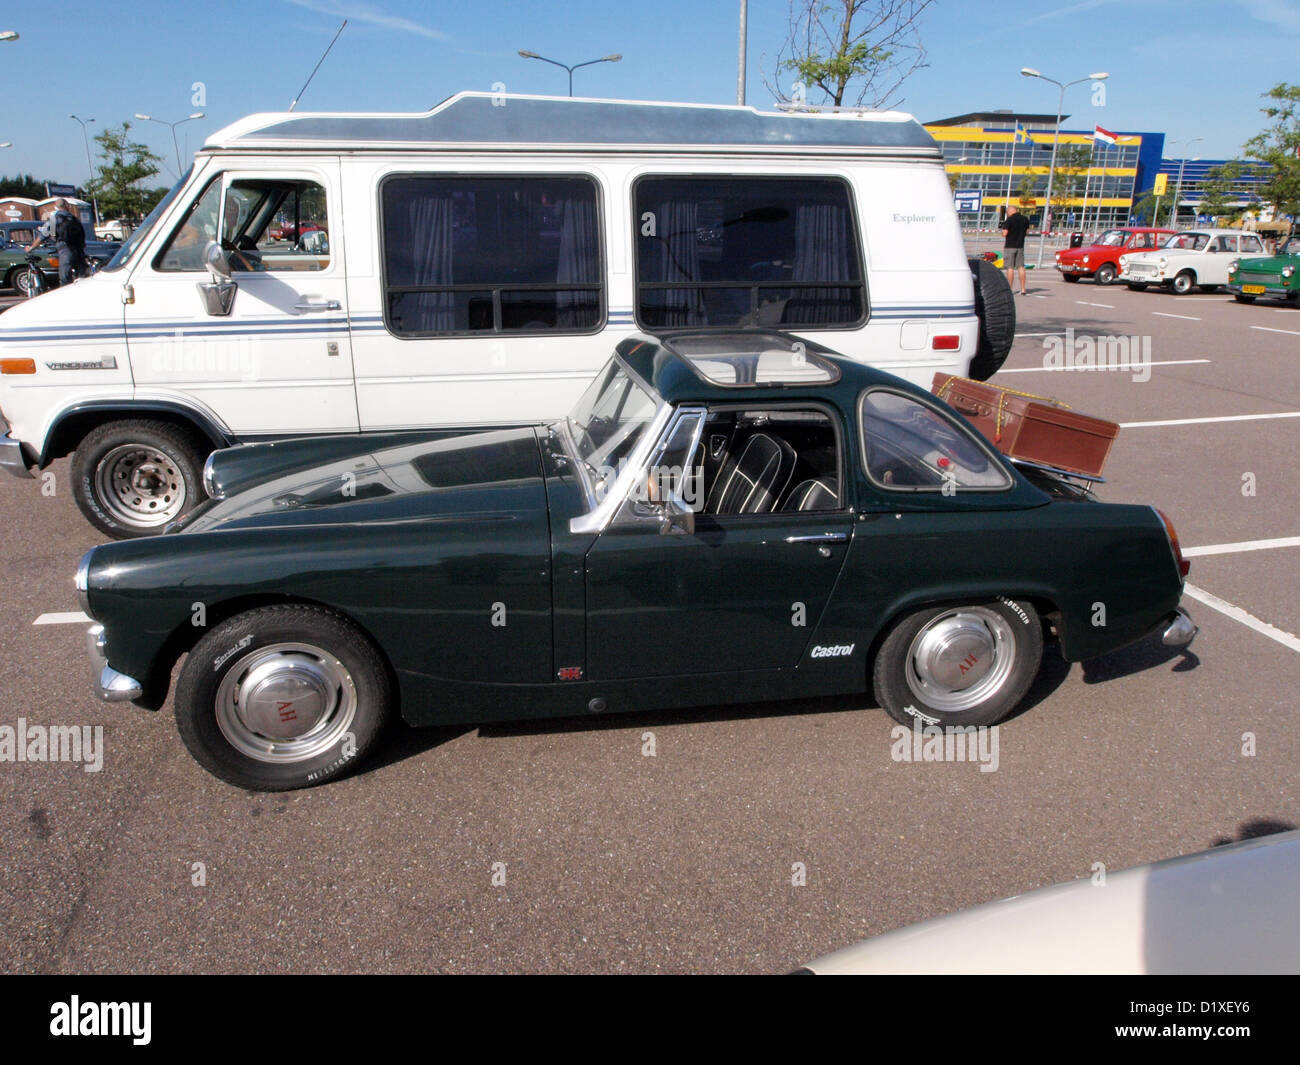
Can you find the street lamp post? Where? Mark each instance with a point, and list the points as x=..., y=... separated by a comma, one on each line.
x=1178, y=189
x=90, y=167
x=570, y=69
x=1030, y=72
x=173, y=125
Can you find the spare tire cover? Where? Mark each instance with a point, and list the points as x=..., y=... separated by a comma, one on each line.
x=995, y=306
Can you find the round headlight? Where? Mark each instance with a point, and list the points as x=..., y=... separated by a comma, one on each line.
x=1232, y=266
x=1288, y=270
x=1123, y=261
x=1085, y=260
x=1162, y=262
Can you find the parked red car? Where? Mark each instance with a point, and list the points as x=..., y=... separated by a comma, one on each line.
x=1100, y=261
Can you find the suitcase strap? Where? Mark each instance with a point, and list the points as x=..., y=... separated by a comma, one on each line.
x=1002, y=400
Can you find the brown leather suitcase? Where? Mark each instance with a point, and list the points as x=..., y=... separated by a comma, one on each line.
x=1025, y=426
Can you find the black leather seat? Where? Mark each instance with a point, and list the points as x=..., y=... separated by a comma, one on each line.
x=812, y=495
x=757, y=477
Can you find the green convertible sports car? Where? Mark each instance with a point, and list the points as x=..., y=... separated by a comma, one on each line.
x=722, y=518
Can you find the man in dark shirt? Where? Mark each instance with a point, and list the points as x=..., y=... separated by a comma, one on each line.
x=1015, y=226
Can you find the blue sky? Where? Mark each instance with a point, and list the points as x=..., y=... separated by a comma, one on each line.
x=1185, y=67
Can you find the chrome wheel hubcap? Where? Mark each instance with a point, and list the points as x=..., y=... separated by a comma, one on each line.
x=961, y=659
x=286, y=702
x=140, y=485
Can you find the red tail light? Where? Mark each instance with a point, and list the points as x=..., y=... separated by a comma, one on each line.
x=945, y=343
x=1184, y=567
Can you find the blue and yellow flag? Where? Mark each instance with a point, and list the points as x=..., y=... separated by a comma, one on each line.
x=1021, y=136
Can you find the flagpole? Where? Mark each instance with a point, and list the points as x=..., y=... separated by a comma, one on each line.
x=1011, y=170
x=1087, y=177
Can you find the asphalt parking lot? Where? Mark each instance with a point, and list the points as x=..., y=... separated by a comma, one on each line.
x=614, y=861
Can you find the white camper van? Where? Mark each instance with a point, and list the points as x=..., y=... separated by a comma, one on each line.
x=473, y=266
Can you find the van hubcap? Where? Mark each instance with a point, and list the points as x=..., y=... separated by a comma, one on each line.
x=286, y=702
x=140, y=485
x=961, y=659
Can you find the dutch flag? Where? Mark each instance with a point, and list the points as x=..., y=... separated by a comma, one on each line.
x=1105, y=136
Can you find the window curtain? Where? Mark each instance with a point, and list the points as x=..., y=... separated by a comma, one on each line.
x=822, y=252
x=429, y=232
x=675, y=257
x=579, y=263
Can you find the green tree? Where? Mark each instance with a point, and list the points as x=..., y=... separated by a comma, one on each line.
x=856, y=50
x=124, y=164
x=1028, y=188
x=1277, y=146
x=22, y=185
x=1072, y=162
x=1144, y=207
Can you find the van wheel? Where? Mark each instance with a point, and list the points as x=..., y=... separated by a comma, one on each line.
x=965, y=664
x=1184, y=283
x=995, y=307
x=1105, y=274
x=130, y=478
x=282, y=697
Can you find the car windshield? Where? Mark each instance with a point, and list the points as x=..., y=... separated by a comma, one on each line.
x=608, y=421
x=1291, y=247
x=1188, y=241
x=136, y=239
x=1112, y=238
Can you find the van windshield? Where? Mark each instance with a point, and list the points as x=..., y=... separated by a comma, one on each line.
x=136, y=239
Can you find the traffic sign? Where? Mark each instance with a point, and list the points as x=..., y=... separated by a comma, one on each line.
x=968, y=201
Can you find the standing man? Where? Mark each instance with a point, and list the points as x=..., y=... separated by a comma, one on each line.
x=1015, y=226
x=69, y=237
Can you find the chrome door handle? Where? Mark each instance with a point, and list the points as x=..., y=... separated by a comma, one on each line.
x=328, y=305
x=819, y=538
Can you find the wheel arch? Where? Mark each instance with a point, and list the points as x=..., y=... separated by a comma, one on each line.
x=1042, y=600
x=181, y=640
x=70, y=426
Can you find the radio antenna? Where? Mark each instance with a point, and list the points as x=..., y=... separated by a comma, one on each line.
x=317, y=67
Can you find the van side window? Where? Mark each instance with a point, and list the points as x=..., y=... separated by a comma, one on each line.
x=274, y=224
x=725, y=251
x=491, y=255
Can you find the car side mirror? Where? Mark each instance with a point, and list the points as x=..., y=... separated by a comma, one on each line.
x=218, y=295
x=675, y=518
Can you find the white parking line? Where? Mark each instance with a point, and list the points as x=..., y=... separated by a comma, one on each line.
x=1085, y=303
x=1058, y=333
x=1187, y=317
x=1266, y=329
x=71, y=617
x=1203, y=421
x=1102, y=369
x=1242, y=545
x=1237, y=614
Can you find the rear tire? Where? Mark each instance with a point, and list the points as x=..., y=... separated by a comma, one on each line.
x=130, y=478
x=282, y=697
x=964, y=664
x=28, y=282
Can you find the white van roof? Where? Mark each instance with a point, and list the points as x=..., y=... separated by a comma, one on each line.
x=483, y=120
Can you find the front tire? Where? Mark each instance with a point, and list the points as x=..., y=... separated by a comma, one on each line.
x=1184, y=283
x=28, y=282
x=1105, y=274
x=966, y=664
x=130, y=478
x=1243, y=299
x=1137, y=286
x=282, y=697
x=1070, y=279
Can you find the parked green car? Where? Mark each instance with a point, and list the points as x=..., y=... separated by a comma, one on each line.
x=722, y=518
x=1269, y=275
x=14, y=238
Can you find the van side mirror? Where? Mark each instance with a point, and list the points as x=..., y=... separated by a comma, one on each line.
x=218, y=295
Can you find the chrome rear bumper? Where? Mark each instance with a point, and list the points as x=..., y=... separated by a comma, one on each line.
x=110, y=685
x=1180, y=630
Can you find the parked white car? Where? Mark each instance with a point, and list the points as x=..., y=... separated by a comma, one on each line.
x=1199, y=257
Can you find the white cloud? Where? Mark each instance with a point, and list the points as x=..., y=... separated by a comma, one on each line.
x=358, y=11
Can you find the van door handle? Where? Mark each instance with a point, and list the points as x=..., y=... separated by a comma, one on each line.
x=307, y=306
x=819, y=538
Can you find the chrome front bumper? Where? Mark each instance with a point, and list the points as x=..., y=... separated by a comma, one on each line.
x=110, y=685
x=1180, y=630
x=12, y=457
